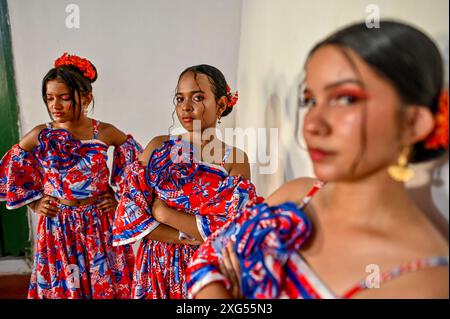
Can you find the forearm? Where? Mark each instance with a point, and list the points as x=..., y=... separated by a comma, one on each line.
x=165, y=234
x=181, y=221
x=215, y=290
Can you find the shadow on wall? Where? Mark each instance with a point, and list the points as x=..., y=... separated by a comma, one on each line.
x=298, y=163
x=272, y=119
x=427, y=191
x=273, y=89
x=282, y=112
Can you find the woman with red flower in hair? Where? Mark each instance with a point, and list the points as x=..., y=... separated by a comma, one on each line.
x=183, y=188
x=60, y=171
x=374, y=103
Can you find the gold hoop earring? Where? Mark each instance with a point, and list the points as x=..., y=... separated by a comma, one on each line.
x=401, y=172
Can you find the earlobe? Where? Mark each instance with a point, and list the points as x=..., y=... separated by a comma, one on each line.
x=420, y=123
x=222, y=103
x=87, y=99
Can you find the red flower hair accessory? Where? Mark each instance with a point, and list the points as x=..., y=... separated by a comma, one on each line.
x=232, y=97
x=438, y=138
x=82, y=64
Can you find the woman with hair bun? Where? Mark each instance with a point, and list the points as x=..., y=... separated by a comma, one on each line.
x=183, y=187
x=60, y=171
x=375, y=103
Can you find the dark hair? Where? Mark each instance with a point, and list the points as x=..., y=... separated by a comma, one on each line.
x=217, y=80
x=76, y=82
x=407, y=57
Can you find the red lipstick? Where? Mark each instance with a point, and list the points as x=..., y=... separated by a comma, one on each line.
x=187, y=120
x=318, y=155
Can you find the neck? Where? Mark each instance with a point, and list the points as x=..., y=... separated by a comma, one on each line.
x=200, y=138
x=70, y=125
x=374, y=198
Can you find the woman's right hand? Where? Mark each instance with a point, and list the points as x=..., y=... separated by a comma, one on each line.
x=46, y=206
x=230, y=267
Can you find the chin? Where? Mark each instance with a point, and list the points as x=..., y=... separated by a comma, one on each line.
x=60, y=120
x=328, y=174
x=341, y=174
x=188, y=128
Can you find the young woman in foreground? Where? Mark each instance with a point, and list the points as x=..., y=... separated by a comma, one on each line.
x=375, y=103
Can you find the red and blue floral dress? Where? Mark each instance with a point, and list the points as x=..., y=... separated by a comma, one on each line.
x=267, y=240
x=74, y=255
x=174, y=175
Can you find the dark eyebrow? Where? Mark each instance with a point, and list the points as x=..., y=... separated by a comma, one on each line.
x=342, y=82
x=338, y=83
x=191, y=92
x=68, y=93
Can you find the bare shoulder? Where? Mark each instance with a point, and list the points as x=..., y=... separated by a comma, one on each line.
x=240, y=163
x=428, y=239
x=293, y=190
x=110, y=134
x=414, y=236
x=410, y=240
x=154, y=144
x=239, y=156
x=420, y=238
x=31, y=139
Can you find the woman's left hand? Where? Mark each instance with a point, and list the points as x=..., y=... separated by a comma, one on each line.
x=107, y=202
x=231, y=269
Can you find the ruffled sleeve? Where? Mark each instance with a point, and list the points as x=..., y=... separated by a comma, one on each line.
x=124, y=155
x=232, y=194
x=134, y=218
x=21, y=178
x=264, y=238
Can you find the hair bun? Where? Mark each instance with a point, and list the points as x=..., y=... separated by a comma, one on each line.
x=83, y=65
x=438, y=138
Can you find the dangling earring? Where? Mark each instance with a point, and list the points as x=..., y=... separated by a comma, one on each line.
x=401, y=172
x=85, y=110
x=219, y=119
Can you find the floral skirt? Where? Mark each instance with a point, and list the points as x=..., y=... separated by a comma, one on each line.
x=160, y=271
x=75, y=258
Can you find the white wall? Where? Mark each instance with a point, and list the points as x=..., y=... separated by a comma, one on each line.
x=139, y=48
x=275, y=39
